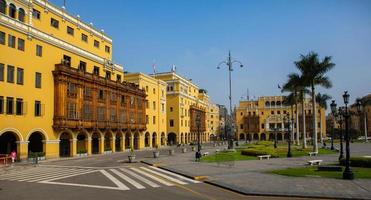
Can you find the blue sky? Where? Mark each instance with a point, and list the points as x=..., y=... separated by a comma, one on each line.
x=266, y=35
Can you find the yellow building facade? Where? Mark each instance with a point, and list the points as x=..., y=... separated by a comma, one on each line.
x=260, y=119
x=213, y=126
x=184, y=100
x=155, y=89
x=34, y=37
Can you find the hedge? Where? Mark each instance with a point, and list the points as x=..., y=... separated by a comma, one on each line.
x=358, y=162
x=257, y=152
x=36, y=154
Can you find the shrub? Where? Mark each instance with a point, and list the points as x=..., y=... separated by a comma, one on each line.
x=265, y=143
x=257, y=152
x=358, y=162
x=82, y=151
x=35, y=154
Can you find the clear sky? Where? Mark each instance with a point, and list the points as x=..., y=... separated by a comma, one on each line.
x=266, y=35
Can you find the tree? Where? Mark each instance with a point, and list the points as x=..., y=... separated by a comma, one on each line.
x=314, y=74
x=321, y=100
x=290, y=100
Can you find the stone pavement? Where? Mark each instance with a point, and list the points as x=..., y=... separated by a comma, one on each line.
x=249, y=177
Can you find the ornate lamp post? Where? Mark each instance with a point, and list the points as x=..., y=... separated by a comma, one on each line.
x=229, y=63
x=198, y=124
x=288, y=120
x=340, y=120
x=347, y=174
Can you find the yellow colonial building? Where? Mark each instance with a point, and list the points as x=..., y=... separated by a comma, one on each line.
x=60, y=93
x=184, y=101
x=155, y=89
x=260, y=119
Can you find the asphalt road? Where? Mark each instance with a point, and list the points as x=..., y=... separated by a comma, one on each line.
x=106, y=177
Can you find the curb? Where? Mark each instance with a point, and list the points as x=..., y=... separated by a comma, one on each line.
x=204, y=179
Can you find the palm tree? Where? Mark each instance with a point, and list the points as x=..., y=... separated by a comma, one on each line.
x=294, y=86
x=321, y=100
x=314, y=71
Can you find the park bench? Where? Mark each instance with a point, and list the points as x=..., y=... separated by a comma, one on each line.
x=205, y=153
x=314, y=162
x=312, y=153
x=264, y=156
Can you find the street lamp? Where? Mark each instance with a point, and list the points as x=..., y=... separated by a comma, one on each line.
x=198, y=124
x=347, y=174
x=340, y=120
x=288, y=120
x=333, y=111
x=229, y=63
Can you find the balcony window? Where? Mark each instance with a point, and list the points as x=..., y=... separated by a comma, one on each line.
x=67, y=60
x=37, y=108
x=122, y=116
x=12, y=10
x=21, y=15
x=9, y=105
x=88, y=93
x=10, y=74
x=19, y=106
x=101, y=114
x=82, y=66
x=54, y=23
x=87, y=111
x=113, y=115
x=72, y=90
x=101, y=95
x=96, y=70
x=36, y=14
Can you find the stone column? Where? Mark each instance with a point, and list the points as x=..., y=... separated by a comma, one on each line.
x=113, y=143
x=123, y=138
x=51, y=148
x=89, y=145
x=101, y=144
x=73, y=147
x=22, y=149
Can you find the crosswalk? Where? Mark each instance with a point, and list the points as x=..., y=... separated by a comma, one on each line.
x=125, y=178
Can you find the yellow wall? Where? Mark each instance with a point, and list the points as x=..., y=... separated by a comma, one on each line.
x=55, y=43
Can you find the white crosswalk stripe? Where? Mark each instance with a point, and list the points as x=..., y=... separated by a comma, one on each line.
x=122, y=178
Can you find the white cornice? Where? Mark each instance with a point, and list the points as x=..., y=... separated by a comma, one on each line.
x=63, y=14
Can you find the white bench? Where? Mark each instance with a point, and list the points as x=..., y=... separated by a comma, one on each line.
x=264, y=156
x=314, y=162
x=312, y=153
x=205, y=153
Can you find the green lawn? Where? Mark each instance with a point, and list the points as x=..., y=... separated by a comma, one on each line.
x=359, y=172
x=280, y=151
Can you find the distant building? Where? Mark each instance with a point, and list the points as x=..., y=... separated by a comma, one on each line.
x=260, y=119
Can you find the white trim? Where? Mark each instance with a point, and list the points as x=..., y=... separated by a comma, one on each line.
x=62, y=13
x=22, y=142
x=16, y=131
x=37, y=130
x=52, y=141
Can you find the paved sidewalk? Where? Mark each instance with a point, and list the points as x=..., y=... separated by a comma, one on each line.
x=248, y=176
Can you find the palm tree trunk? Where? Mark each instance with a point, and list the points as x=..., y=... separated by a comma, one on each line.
x=297, y=124
x=315, y=144
x=292, y=125
x=303, y=116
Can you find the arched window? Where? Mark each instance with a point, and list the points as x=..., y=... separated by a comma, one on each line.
x=2, y=6
x=12, y=10
x=21, y=15
x=278, y=103
x=273, y=103
x=267, y=104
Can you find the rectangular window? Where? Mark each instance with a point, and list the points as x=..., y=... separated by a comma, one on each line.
x=101, y=115
x=87, y=112
x=71, y=111
x=96, y=43
x=101, y=95
x=20, y=44
x=37, y=108
x=19, y=106
x=9, y=105
x=154, y=105
x=147, y=119
x=84, y=37
x=67, y=60
x=1, y=104
x=1, y=72
x=241, y=126
x=107, y=49
x=11, y=41
x=171, y=123
x=108, y=75
x=2, y=38
x=10, y=74
x=122, y=116
x=118, y=78
x=113, y=115
x=262, y=126
x=19, y=76
x=96, y=70
x=39, y=50
x=36, y=14
x=162, y=107
x=70, y=30
x=54, y=23
x=82, y=66
x=71, y=90
x=154, y=119
x=37, y=80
